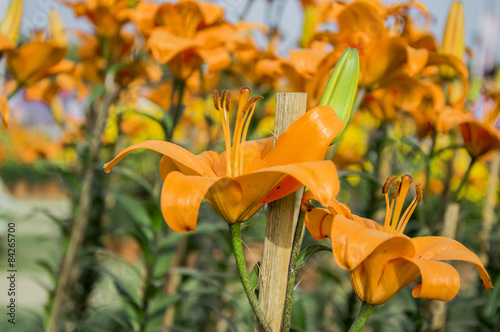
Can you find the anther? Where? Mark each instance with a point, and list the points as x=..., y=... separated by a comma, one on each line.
x=222, y=98
x=397, y=188
x=228, y=101
x=420, y=195
x=250, y=103
x=387, y=184
x=216, y=100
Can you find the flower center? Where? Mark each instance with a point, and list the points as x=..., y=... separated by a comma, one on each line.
x=393, y=224
x=246, y=108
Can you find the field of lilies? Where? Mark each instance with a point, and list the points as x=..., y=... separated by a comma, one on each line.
x=172, y=169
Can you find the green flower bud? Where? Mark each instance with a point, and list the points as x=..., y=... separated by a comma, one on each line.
x=341, y=88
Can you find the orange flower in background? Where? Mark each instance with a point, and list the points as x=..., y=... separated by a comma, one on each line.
x=107, y=16
x=188, y=34
x=249, y=174
x=480, y=132
x=382, y=260
x=37, y=59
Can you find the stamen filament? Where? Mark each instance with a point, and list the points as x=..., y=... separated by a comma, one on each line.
x=406, y=217
x=248, y=117
x=403, y=191
x=236, y=158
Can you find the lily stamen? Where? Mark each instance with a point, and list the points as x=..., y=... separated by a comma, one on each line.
x=393, y=224
x=409, y=211
x=246, y=108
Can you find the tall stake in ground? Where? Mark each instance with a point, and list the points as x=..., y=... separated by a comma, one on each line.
x=279, y=225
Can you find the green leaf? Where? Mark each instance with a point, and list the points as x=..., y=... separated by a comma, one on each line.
x=254, y=276
x=308, y=252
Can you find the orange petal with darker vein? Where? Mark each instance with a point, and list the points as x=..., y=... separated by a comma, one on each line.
x=320, y=177
x=187, y=162
x=4, y=111
x=440, y=281
x=352, y=243
x=319, y=223
x=181, y=197
x=306, y=139
x=443, y=249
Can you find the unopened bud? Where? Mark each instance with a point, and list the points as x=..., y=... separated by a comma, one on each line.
x=342, y=87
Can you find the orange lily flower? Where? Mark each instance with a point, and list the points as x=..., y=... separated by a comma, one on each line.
x=382, y=260
x=241, y=180
x=480, y=134
x=188, y=34
x=107, y=16
x=36, y=60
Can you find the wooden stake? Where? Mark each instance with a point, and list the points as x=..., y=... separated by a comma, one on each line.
x=279, y=225
x=489, y=208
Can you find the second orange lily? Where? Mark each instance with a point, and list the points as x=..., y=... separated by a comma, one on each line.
x=381, y=259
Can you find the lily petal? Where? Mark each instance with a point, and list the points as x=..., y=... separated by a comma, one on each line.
x=306, y=139
x=397, y=274
x=352, y=243
x=443, y=249
x=4, y=111
x=440, y=281
x=181, y=197
x=187, y=162
x=320, y=177
x=319, y=223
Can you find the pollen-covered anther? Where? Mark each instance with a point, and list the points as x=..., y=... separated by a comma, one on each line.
x=228, y=101
x=397, y=188
x=216, y=100
x=222, y=98
x=420, y=194
x=387, y=184
x=250, y=102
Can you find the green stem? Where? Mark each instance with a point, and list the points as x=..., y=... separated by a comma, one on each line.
x=292, y=272
x=177, y=111
x=464, y=180
x=14, y=91
x=363, y=314
x=234, y=231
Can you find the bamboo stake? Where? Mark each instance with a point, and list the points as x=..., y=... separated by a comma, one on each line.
x=279, y=226
x=79, y=226
x=489, y=208
x=438, y=308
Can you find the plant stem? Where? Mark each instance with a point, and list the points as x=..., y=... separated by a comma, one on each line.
x=178, y=107
x=363, y=314
x=13, y=92
x=464, y=180
x=234, y=231
x=292, y=272
x=79, y=226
